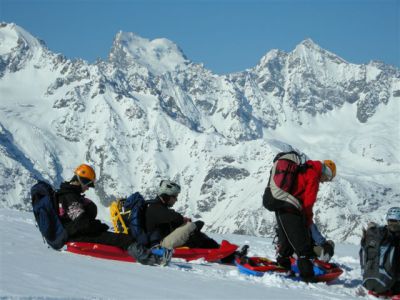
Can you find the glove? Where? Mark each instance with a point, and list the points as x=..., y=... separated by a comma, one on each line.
x=329, y=248
x=199, y=225
x=325, y=251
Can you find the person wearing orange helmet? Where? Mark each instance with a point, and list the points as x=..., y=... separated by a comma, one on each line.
x=297, y=233
x=78, y=216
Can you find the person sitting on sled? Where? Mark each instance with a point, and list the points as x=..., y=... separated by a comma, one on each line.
x=169, y=228
x=294, y=226
x=78, y=216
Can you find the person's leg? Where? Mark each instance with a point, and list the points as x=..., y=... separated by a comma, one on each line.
x=139, y=252
x=107, y=238
x=294, y=231
x=179, y=236
x=284, y=248
x=200, y=240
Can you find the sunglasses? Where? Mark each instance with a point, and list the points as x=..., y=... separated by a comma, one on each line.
x=86, y=182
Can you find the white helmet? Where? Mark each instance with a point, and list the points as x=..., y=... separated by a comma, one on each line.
x=393, y=214
x=169, y=188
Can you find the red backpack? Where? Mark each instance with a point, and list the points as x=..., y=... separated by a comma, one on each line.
x=283, y=176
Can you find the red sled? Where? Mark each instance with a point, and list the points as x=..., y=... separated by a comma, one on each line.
x=387, y=295
x=258, y=266
x=115, y=253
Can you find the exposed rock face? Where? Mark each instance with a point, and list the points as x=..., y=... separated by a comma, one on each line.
x=149, y=113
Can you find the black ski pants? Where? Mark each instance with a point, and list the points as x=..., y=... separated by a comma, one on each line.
x=293, y=235
x=107, y=238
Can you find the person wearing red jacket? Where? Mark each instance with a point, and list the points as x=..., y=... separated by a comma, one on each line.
x=294, y=225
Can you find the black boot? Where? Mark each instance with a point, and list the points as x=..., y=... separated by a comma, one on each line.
x=143, y=255
x=284, y=262
x=230, y=259
x=306, y=268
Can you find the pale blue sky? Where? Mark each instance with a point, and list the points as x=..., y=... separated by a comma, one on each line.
x=226, y=36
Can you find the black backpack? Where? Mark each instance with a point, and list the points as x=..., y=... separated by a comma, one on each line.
x=378, y=259
x=283, y=176
x=45, y=207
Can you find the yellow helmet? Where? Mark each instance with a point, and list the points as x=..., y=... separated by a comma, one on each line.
x=85, y=175
x=329, y=169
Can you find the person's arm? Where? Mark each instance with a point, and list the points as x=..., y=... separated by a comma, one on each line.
x=81, y=222
x=163, y=215
x=324, y=249
x=316, y=235
x=310, y=196
x=85, y=225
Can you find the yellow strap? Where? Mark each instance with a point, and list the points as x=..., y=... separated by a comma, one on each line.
x=116, y=217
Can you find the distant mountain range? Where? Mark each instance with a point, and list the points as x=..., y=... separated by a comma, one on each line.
x=149, y=113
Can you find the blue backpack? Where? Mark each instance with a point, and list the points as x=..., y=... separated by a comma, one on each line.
x=136, y=221
x=136, y=204
x=45, y=206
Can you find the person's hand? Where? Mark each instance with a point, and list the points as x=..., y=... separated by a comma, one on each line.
x=325, y=251
x=186, y=220
x=329, y=248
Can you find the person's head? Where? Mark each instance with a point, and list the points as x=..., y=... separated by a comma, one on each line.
x=328, y=170
x=85, y=176
x=393, y=219
x=168, y=191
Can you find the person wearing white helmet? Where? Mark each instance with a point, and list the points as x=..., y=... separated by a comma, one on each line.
x=170, y=227
x=393, y=226
x=393, y=219
x=380, y=255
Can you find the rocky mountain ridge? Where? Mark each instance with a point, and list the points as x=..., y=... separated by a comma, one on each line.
x=149, y=113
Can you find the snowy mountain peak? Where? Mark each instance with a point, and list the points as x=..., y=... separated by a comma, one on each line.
x=13, y=37
x=272, y=55
x=158, y=56
x=310, y=44
x=310, y=52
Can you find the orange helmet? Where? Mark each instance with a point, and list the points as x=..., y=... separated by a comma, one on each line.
x=85, y=175
x=329, y=164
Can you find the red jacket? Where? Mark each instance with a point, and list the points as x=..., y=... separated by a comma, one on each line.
x=307, y=187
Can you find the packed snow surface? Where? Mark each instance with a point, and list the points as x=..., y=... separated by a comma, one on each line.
x=28, y=269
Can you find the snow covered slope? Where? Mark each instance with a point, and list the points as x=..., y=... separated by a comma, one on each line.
x=29, y=270
x=149, y=113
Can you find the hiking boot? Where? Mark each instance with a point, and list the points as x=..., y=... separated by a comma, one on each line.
x=166, y=258
x=284, y=262
x=164, y=255
x=143, y=255
x=230, y=259
x=306, y=268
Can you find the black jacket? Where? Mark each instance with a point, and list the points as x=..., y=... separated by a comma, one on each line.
x=78, y=219
x=162, y=219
